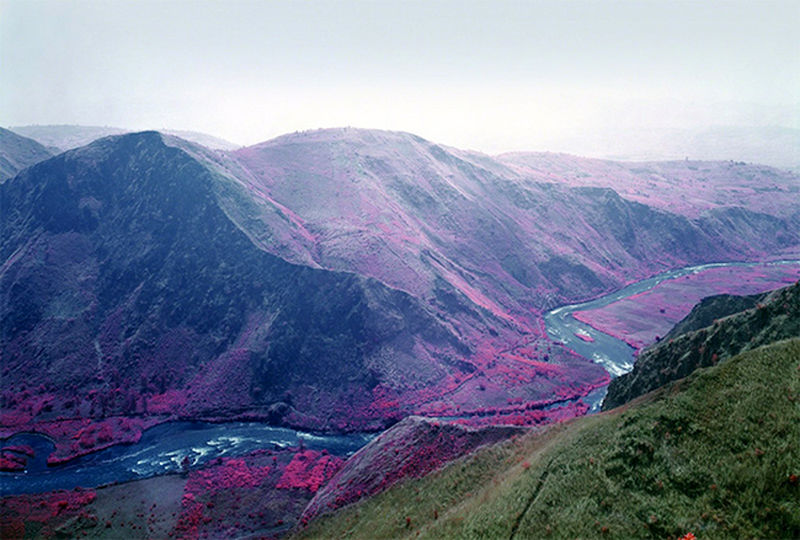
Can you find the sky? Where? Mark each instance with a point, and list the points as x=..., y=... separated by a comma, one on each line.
x=491, y=75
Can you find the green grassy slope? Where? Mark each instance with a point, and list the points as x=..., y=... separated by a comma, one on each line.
x=776, y=317
x=716, y=454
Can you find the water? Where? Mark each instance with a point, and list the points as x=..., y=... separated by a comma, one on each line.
x=162, y=450
x=616, y=356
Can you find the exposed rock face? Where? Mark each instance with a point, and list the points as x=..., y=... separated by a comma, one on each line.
x=766, y=318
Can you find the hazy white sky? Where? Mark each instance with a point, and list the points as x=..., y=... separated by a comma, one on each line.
x=492, y=75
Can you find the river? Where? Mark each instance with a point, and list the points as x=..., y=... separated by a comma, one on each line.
x=163, y=448
x=616, y=356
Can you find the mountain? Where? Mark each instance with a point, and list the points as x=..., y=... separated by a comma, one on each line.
x=690, y=188
x=772, y=317
x=67, y=137
x=334, y=280
x=17, y=152
x=714, y=455
x=126, y=286
x=402, y=210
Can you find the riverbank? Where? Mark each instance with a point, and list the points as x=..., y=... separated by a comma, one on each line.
x=642, y=319
x=263, y=493
x=608, y=320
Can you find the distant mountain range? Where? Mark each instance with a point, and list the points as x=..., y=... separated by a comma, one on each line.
x=67, y=137
x=776, y=146
x=17, y=153
x=337, y=279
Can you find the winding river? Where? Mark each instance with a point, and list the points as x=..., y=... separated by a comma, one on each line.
x=616, y=356
x=163, y=448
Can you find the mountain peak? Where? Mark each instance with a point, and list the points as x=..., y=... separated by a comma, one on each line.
x=342, y=134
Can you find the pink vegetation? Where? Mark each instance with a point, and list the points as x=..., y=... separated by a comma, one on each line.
x=15, y=458
x=640, y=319
x=262, y=491
x=232, y=473
x=309, y=470
x=75, y=438
x=410, y=449
x=703, y=184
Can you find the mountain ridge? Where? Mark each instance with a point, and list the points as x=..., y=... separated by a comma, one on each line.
x=64, y=137
x=18, y=152
x=424, y=272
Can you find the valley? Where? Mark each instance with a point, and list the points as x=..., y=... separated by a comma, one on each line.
x=381, y=270
x=172, y=309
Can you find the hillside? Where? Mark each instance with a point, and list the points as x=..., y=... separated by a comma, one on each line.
x=712, y=308
x=714, y=455
x=776, y=146
x=334, y=280
x=407, y=211
x=776, y=316
x=17, y=153
x=687, y=187
x=127, y=290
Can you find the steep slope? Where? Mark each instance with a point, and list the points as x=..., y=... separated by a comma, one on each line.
x=776, y=317
x=712, y=308
x=126, y=289
x=413, y=214
x=694, y=189
x=17, y=153
x=409, y=449
x=714, y=455
x=337, y=279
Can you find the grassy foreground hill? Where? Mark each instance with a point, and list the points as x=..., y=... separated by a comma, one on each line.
x=710, y=339
x=714, y=454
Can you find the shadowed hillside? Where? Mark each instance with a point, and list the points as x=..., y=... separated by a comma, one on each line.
x=335, y=280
